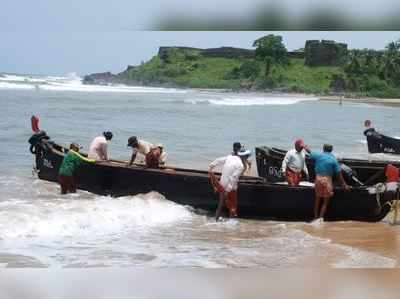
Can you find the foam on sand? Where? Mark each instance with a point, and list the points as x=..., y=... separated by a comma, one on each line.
x=249, y=101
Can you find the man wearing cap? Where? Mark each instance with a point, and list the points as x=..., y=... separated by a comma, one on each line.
x=233, y=167
x=154, y=155
x=294, y=164
x=71, y=162
x=326, y=167
x=98, y=147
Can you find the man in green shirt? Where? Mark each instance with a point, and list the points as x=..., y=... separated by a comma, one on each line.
x=71, y=162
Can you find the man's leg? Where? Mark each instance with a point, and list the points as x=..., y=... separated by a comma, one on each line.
x=63, y=184
x=220, y=205
x=325, y=205
x=316, y=206
x=231, y=203
x=72, y=188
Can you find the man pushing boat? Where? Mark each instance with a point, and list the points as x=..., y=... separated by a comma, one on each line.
x=294, y=164
x=233, y=166
x=326, y=166
x=71, y=162
x=155, y=156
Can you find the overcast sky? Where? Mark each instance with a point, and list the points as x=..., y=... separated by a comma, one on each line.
x=60, y=53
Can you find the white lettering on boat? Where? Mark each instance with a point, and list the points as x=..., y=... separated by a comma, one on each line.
x=389, y=150
x=275, y=171
x=47, y=163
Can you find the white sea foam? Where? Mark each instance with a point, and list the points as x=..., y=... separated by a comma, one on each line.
x=362, y=259
x=7, y=85
x=249, y=101
x=57, y=219
x=72, y=82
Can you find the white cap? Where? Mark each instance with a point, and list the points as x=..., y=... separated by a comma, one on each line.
x=160, y=145
x=244, y=152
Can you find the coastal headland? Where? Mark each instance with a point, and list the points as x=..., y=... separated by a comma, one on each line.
x=326, y=69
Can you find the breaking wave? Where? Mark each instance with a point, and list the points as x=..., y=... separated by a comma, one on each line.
x=72, y=82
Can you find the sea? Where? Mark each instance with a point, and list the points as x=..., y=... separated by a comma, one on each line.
x=39, y=228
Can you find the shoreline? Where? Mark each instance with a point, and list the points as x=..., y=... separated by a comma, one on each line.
x=362, y=100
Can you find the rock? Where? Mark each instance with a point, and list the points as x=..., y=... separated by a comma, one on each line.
x=100, y=78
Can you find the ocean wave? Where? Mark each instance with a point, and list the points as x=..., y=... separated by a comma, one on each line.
x=72, y=82
x=74, y=216
x=7, y=85
x=249, y=101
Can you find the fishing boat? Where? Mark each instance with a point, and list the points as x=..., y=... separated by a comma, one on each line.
x=257, y=198
x=379, y=143
x=368, y=172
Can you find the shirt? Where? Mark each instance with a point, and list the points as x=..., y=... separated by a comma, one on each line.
x=232, y=169
x=71, y=162
x=295, y=161
x=143, y=148
x=325, y=164
x=163, y=158
x=98, y=148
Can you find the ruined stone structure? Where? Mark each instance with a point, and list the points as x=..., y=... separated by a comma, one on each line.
x=325, y=53
x=224, y=52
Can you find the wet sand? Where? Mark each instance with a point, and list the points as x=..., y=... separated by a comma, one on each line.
x=381, y=239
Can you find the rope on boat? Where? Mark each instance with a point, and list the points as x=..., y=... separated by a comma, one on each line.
x=395, y=208
x=380, y=188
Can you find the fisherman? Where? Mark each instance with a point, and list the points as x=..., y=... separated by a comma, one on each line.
x=233, y=167
x=98, y=147
x=369, y=130
x=237, y=146
x=392, y=174
x=162, y=160
x=294, y=164
x=71, y=162
x=155, y=156
x=326, y=166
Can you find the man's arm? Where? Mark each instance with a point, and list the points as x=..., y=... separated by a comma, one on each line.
x=284, y=163
x=305, y=169
x=133, y=157
x=340, y=178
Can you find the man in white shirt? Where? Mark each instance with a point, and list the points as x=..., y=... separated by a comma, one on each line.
x=232, y=168
x=98, y=147
x=294, y=164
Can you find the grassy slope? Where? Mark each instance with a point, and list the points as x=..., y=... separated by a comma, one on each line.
x=205, y=72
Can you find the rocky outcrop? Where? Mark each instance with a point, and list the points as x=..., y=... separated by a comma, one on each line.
x=100, y=78
x=325, y=53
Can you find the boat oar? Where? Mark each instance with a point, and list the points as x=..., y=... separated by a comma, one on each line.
x=378, y=174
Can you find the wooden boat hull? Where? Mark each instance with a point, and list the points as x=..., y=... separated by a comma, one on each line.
x=256, y=198
x=269, y=163
x=378, y=143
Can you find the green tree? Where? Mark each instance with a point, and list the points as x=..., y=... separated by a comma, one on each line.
x=272, y=51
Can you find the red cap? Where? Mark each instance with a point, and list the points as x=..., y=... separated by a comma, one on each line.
x=299, y=142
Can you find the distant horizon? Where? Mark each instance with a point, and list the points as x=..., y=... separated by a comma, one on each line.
x=61, y=54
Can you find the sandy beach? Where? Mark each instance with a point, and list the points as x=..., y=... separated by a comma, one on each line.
x=371, y=101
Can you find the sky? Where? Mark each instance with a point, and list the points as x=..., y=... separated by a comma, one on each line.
x=58, y=37
x=65, y=52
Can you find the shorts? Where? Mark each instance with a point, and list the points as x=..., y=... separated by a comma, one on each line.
x=323, y=186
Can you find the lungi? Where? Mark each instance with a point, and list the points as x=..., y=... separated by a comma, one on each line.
x=230, y=197
x=323, y=186
x=152, y=158
x=293, y=178
x=67, y=184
